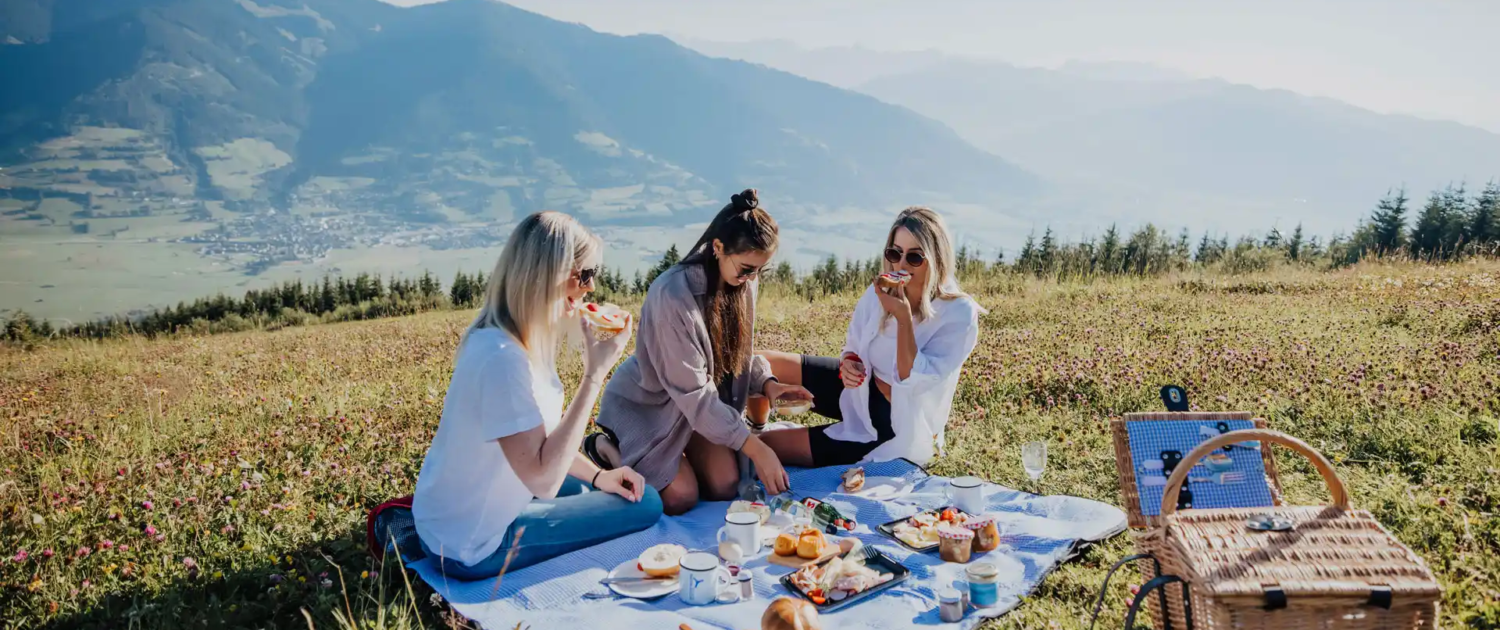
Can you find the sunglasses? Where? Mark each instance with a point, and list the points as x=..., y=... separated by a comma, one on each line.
x=586, y=276
x=747, y=271
x=913, y=257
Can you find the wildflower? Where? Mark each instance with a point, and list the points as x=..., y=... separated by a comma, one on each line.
x=227, y=529
x=124, y=548
x=146, y=505
x=20, y=556
x=375, y=574
x=435, y=599
x=83, y=552
x=87, y=584
x=160, y=537
x=276, y=578
x=106, y=544
x=47, y=554
x=327, y=583
x=364, y=575
x=150, y=530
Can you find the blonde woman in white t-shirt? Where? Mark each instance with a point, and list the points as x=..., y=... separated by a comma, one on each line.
x=503, y=479
x=892, y=387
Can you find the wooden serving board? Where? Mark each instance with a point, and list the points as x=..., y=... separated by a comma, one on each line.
x=797, y=562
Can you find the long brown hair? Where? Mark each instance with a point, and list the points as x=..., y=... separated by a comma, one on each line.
x=742, y=226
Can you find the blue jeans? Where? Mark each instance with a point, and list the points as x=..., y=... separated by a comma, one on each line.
x=579, y=517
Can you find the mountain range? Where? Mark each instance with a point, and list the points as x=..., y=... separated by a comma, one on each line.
x=1200, y=144
x=465, y=110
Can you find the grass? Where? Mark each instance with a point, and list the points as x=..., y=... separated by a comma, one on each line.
x=223, y=481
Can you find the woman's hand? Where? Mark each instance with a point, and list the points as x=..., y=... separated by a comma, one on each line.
x=775, y=390
x=767, y=466
x=600, y=356
x=895, y=302
x=852, y=371
x=622, y=482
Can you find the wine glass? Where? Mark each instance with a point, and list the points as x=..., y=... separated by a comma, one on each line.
x=1034, y=459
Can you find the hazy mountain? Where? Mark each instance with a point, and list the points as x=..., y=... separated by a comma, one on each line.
x=463, y=109
x=1136, y=129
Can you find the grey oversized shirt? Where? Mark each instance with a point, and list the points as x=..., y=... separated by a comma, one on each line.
x=665, y=392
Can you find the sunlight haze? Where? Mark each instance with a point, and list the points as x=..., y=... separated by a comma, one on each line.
x=1431, y=59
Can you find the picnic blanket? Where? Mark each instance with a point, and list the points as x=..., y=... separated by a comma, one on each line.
x=1041, y=532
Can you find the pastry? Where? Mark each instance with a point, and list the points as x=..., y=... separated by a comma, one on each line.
x=759, y=509
x=892, y=279
x=790, y=614
x=791, y=406
x=786, y=544
x=607, y=320
x=661, y=560
x=810, y=544
x=854, y=479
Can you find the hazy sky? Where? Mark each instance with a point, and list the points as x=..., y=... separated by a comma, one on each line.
x=1435, y=58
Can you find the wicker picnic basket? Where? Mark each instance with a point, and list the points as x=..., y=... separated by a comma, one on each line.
x=1170, y=599
x=1335, y=569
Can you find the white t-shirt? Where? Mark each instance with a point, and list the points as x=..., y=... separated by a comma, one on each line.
x=882, y=359
x=467, y=494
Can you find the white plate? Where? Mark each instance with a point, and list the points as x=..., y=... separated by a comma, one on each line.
x=640, y=590
x=883, y=488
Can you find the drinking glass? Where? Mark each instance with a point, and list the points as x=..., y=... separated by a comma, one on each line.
x=1034, y=459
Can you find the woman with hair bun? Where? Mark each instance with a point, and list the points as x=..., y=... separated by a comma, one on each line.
x=675, y=410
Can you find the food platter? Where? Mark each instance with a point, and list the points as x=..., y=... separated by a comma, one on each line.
x=872, y=575
x=927, y=522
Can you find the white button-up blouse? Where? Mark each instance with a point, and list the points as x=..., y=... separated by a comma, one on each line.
x=920, y=403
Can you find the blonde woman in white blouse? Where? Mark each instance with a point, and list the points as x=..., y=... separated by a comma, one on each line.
x=892, y=387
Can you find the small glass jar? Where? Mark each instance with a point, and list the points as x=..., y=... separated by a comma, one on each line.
x=984, y=585
x=950, y=605
x=746, y=580
x=955, y=544
x=986, y=533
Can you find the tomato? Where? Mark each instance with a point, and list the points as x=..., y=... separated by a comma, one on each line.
x=948, y=515
x=819, y=599
x=640, y=568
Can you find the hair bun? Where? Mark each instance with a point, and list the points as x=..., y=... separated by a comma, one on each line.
x=747, y=200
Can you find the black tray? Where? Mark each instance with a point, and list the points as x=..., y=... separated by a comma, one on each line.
x=899, y=573
x=889, y=529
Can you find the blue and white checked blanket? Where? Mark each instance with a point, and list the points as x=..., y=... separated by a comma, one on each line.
x=565, y=592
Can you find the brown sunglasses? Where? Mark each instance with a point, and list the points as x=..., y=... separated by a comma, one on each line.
x=914, y=258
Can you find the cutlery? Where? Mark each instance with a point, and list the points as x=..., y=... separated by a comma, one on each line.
x=1220, y=478
x=635, y=580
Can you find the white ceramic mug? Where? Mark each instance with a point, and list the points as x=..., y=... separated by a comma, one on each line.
x=967, y=494
x=701, y=579
x=743, y=529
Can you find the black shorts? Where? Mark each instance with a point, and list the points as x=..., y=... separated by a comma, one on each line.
x=820, y=375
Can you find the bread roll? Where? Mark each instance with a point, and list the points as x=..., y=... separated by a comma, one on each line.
x=810, y=545
x=790, y=614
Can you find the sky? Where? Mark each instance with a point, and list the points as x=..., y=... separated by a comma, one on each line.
x=1432, y=58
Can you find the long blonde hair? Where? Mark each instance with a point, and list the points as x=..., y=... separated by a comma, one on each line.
x=524, y=295
x=931, y=232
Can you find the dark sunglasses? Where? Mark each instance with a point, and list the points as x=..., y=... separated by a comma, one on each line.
x=586, y=276
x=913, y=257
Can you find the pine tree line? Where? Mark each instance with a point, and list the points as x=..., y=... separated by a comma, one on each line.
x=1451, y=225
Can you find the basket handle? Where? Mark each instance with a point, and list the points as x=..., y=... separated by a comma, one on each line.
x=1266, y=437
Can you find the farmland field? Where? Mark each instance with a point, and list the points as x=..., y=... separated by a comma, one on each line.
x=223, y=481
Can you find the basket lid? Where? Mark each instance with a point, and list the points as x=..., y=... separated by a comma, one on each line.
x=1329, y=552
